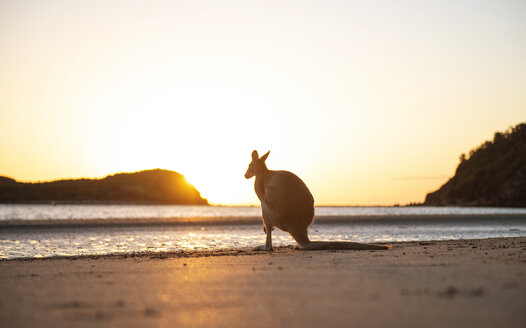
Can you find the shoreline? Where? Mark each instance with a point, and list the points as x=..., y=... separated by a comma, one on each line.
x=241, y=251
x=458, y=283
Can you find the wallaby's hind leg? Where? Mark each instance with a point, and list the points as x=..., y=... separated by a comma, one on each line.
x=301, y=236
x=268, y=243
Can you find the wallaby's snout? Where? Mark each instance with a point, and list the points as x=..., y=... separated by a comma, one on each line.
x=250, y=171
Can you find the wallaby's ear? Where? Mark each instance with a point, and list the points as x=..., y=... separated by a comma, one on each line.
x=255, y=155
x=264, y=157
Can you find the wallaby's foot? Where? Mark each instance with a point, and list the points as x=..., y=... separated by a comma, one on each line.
x=263, y=248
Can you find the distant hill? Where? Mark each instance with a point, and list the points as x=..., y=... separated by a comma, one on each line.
x=494, y=174
x=144, y=187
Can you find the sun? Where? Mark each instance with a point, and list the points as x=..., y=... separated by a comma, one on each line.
x=205, y=132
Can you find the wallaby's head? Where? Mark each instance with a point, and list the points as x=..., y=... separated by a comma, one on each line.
x=257, y=165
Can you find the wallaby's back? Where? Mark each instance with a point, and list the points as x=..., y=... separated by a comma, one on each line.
x=287, y=201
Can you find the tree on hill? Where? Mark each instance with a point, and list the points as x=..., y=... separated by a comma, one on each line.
x=493, y=174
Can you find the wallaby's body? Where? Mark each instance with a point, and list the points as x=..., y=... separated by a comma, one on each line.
x=287, y=204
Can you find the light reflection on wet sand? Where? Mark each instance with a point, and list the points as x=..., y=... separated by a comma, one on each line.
x=19, y=243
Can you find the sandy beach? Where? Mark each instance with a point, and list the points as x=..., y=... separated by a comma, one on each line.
x=466, y=283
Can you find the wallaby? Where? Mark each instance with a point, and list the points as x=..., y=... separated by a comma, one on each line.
x=287, y=203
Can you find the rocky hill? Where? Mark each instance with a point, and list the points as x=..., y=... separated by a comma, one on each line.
x=144, y=187
x=493, y=174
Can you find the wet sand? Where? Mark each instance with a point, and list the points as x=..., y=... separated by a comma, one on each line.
x=468, y=283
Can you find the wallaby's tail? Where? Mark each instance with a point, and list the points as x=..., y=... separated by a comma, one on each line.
x=335, y=245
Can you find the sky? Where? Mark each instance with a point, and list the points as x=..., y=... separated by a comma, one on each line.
x=369, y=102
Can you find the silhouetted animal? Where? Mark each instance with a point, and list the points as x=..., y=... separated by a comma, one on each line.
x=287, y=203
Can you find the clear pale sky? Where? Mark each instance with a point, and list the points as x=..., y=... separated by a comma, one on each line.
x=369, y=102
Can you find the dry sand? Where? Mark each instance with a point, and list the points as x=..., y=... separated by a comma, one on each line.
x=471, y=283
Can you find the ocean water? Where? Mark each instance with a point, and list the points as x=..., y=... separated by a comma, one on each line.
x=80, y=212
x=361, y=224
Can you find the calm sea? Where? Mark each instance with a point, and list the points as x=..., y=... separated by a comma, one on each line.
x=217, y=227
